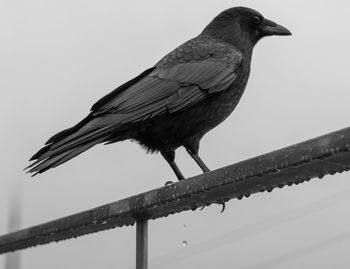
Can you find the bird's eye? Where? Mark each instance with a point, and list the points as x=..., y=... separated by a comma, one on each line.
x=256, y=20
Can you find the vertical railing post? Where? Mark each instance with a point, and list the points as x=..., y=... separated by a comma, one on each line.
x=142, y=244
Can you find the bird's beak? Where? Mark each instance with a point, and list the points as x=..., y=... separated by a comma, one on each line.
x=271, y=28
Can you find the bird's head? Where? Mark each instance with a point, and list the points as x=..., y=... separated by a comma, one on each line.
x=243, y=26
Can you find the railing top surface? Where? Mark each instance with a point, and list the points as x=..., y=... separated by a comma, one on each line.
x=295, y=164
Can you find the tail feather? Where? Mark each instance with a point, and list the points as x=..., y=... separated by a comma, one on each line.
x=55, y=160
x=67, y=132
x=77, y=151
x=41, y=166
x=67, y=144
x=97, y=124
x=96, y=128
x=40, y=153
x=80, y=141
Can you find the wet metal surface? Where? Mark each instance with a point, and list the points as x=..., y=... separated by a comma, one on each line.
x=328, y=154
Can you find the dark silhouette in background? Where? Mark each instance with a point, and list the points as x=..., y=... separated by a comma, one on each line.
x=187, y=93
x=13, y=260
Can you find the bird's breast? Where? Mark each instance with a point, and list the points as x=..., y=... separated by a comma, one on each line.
x=170, y=131
x=219, y=106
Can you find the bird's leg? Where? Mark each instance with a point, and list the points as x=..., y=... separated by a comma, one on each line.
x=198, y=160
x=169, y=156
x=192, y=148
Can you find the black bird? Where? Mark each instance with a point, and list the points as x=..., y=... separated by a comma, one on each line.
x=178, y=100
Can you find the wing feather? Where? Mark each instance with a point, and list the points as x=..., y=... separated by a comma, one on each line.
x=152, y=96
x=156, y=94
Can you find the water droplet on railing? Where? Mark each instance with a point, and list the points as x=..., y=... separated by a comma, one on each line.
x=184, y=243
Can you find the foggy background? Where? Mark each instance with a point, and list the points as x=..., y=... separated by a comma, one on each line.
x=59, y=57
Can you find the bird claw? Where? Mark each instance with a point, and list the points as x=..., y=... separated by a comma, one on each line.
x=169, y=183
x=223, y=206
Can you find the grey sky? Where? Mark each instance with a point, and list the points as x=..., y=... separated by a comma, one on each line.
x=59, y=57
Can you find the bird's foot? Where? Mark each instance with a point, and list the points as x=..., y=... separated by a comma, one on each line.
x=223, y=204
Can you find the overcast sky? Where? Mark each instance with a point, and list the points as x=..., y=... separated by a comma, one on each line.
x=59, y=57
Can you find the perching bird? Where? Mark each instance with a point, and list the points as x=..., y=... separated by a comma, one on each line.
x=177, y=101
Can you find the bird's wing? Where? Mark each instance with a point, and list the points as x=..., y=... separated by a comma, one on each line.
x=169, y=90
x=180, y=80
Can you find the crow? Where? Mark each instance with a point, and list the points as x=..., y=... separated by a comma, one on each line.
x=177, y=101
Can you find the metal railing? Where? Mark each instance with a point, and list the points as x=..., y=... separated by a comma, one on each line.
x=328, y=154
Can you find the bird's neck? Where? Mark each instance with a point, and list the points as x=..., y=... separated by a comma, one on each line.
x=239, y=39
